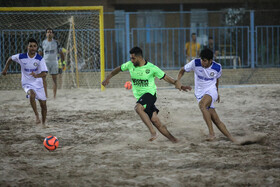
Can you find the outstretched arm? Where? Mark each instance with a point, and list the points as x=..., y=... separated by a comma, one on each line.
x=39, y=75
x=9, y=61
x=217, y=85
x=179, y=76
x=112, y=74
x=177, y=83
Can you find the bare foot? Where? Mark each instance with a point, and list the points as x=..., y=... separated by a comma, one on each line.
x=38, y=121
x=211, y=138
x=175, y=140
x=153, y=137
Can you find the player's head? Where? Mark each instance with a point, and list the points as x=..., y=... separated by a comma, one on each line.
x=136, y=55
x=206, y=56
x=193, y=37
x=49, y=33
x=210, y=40
x=32, y=46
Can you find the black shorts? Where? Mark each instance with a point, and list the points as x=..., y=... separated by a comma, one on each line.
x=148, y=100
x=59, y=71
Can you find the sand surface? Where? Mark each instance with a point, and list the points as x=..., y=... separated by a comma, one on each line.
x=103, y=142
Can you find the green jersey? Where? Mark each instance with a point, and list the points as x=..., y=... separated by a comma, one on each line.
x=143, y=78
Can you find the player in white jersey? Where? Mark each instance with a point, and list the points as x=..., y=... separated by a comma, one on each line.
x=50, y=48
x=207, y=73
x=33, y=68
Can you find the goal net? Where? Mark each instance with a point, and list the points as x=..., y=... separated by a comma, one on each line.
x=79, y=31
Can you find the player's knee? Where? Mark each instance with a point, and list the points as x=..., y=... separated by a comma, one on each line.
x=32, y=94
x=155, y=119
x=43, y=105
x=202, y=105
x=138, y=108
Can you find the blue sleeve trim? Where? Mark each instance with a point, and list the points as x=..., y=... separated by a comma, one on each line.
x=197, y=62
x=216, y=67
x=23, y=55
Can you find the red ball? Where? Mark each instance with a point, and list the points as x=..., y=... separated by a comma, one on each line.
x=128, y=85
x=51, y=143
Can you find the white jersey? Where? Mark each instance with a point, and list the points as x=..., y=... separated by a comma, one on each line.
x=28, y=65
x=205, y=79
x=50, y=50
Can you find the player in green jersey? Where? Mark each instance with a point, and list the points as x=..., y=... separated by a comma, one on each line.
x=144, y=89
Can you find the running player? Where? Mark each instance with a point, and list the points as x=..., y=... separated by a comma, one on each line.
x=206, y=74
x=50, y=49
x=143, y=75
x=33, y=68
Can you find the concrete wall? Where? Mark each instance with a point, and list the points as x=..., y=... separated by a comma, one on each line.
x=92, y=80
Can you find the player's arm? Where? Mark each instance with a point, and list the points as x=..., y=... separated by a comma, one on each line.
x=61, y=56
x=40, y=75
x=8, y=62
x=179, y=85
x=112, y=74
x=217, y=86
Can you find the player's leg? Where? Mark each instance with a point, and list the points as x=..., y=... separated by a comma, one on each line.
x=204, y=105
x=43, y=105
x=59, y=78
x=54, y=78
x=140, y=110
x=32, y=96
x=45, y=85
x=162, y=128
x=221, y=126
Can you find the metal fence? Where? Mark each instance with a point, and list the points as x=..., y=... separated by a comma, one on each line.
x=241, y=44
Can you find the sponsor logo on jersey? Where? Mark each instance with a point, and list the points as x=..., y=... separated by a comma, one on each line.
x=147, y=71
x=140, y=82
x=212, y=74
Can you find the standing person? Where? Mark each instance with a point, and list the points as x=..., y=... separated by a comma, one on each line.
x=143, y=75
x=192, y=48
x=61, y=67
x=33, y=69
x=49, y=49
x=207, y=73
x=213, y=46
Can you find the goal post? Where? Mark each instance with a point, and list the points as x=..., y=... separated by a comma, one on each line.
x=79, y=30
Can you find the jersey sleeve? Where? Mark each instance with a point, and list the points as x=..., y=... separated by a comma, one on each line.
x=42, y=66
x=125, y=66
x=158, y=72
x=189, y=66
x=59, y=48
x=40, y=48
x=219, y=74
x=16, y=58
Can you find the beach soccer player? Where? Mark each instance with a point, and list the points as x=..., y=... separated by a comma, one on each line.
x=143, y=74
x=33, y=68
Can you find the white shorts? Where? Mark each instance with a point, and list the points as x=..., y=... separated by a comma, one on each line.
x=40, y=92
x=52, y=68
x=213, y=93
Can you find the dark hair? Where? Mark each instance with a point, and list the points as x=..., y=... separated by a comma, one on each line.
x=137, y=51
x=206, y=54
x=32, y=40
x=193, y=33
x=49, y=29
x=210, y=38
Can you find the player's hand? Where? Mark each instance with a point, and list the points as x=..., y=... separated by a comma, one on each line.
x=218, y=100
x=186, y=88
x=105, y=82
x=33, y=74
x=4, y=72
x=178, y=85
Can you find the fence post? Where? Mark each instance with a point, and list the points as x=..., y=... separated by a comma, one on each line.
x=252, y=29
x=127, y=32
